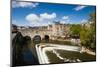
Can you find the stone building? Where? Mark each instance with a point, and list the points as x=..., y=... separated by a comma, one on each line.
x=54, y=31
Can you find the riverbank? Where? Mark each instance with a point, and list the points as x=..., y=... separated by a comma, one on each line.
x=88, y=51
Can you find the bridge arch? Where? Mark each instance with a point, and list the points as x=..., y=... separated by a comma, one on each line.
x=46, y=38
x=37, y=39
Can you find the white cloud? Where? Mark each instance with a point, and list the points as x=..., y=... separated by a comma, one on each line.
x=79, y=8
x=63, y=22
x=48, y=16
x=65, y=17
x=42, y=19
x=32, y=18
x=23, y=4
x=83, y=21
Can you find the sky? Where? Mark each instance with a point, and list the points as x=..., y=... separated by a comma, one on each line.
x=42, y=14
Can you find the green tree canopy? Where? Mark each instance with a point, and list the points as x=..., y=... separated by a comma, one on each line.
x=75, y=29
x=88, y=33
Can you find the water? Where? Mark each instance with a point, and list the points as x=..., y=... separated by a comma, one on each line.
x=54, y=53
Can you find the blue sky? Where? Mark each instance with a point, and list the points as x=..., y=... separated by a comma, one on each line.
x=40, y=14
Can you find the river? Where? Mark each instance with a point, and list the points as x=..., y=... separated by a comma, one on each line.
x=55, y=53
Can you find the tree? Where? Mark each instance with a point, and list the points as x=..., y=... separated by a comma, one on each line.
x=88, y=33
x=93, y=29
x=85, y=36
x=75, y=30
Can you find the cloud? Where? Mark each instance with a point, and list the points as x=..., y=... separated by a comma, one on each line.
x=79, y=8
x=83, y=21
x=65, y=17
x=48, y=16
x=24, y=4
x=32, y=18
x=41, y=19
x=63, y=22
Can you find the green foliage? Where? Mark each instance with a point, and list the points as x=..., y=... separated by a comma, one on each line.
x=88, y=33
x=85, y=36
x=93, y=17
x=75, y=29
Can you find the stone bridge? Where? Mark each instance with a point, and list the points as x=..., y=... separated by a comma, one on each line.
x=32, y=33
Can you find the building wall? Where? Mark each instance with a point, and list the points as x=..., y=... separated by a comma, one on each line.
x=55, y=30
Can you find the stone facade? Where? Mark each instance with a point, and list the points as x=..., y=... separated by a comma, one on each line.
x=53, y=31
